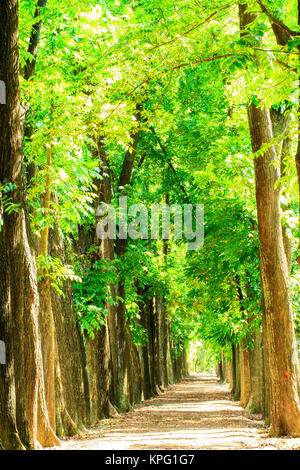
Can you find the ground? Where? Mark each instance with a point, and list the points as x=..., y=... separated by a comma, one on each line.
x=194, y=414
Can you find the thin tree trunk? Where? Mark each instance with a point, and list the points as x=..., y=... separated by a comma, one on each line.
x=157, y=368
x=147, y=392
x=233, y=370
x=220, y=371
x=255, y=404
x=46, y=319
x=245, y=374
x=127, y=353
x=237, y=392
x=164, y=326
x=28, y=72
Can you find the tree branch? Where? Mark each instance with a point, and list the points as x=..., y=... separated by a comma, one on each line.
x=193, y=28
x=168, y=159
x=282, y=32
x=131, y=152
x=286, y=66
x=34, y=41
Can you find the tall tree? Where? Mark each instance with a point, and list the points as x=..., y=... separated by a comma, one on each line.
x=283, y=360
x=24, y=418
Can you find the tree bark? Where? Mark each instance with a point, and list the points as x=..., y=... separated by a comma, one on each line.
x=126, y=348
x=28, y=72
x=164, y=325
x=220, y=372
x=283, y=34
x=157, y=344
x=245, y=374
x=46, y=319
x=266, y=372
x=236, y=393
x=147, y=390
x=284, y=369
x=71, y=379
x=280, y=121
x=255, y=404
x=283, y=357
x=233, y=370
x=24, y=418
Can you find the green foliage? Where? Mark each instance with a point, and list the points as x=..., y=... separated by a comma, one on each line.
x=54, y=270
x=92, y=295
x=6, y=200
x=202, y=356
x=195, y=74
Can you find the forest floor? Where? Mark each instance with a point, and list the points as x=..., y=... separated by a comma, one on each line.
x=194, y=414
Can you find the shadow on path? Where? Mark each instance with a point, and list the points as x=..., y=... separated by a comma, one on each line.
x=194, y=414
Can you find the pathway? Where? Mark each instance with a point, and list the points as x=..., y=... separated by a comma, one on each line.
x=194, y=414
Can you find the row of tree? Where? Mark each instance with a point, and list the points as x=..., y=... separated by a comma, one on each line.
x=56, y=379
x=251, y=310
x=160, y=103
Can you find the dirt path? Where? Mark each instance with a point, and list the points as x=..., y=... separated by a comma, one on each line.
x=195, y=414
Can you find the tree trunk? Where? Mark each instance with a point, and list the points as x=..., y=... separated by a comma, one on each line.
x=283, y=36
x=283, y=360
x=245, y=374
x=46, y=319
x=233, y=369
x=280, y=120
x=157, y=344
x=102, y=351
x=71, y=379
x=126, y=373
x=147, y=391
x=297, y=155
x=151, y=333
x=236, y=394
x=24, y=417
x=283, y=357
x=266, y=373
x=255, y=404
x=226, y=368
x=220, y=372
x=47, y=330
x=28, y=72
x=164, y=321
x=98, y=366
x=164, y=341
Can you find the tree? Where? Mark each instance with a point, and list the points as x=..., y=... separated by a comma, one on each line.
x=283, y=360
x=24, y=417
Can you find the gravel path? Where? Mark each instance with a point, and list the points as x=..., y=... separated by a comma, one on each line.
x=194, y=414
